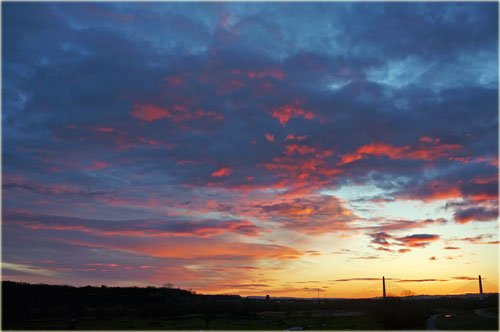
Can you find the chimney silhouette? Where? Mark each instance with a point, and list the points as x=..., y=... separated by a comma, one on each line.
x=383, y=285
x=480, y=288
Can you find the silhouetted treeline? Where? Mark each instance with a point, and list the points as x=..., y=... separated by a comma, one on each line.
x=26, y=301
x=22, y=302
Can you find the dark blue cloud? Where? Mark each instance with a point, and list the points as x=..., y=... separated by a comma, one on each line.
x=70, y=66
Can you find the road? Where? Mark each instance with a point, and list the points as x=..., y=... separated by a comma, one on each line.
x=431, y=322
x=485, y=313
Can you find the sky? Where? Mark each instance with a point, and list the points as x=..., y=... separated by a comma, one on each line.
x=289, y=149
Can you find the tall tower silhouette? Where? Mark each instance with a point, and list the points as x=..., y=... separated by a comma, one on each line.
x=383, y=286
x=480, y=288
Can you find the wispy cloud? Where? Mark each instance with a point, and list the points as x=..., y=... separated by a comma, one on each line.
x=27, y=269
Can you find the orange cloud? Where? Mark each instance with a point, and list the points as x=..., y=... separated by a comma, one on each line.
x=195, y=248
x=431, y=149
x=304, y=168
x=179, y=273
x=441, y=190
x=214, y=249
x=310, y=215
x=222, y=172
x=358, y=279
x=177, y=113
x=482, y=197
x=421, y=280
x=412, y=241
x=302, y=150
x=465, y=278
x=287, y=112
x=418, y=240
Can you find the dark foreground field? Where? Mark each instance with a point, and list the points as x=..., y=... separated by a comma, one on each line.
x=44, y=307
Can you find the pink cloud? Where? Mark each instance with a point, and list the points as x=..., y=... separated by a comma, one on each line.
x=143, y=229
x=105, y=129
x=98, y=165
x=149, y=113
x=291, y=137
x=274, y=73
x=222, y=172
x=269, y=137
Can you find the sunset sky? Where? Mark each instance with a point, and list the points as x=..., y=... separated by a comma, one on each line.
x=251, y=148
